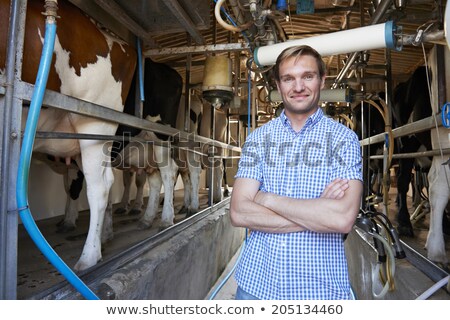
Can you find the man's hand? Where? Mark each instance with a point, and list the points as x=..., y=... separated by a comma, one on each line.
x=336, y=189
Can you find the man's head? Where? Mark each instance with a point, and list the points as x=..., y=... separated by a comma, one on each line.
x=300, y=75
x=298, y=51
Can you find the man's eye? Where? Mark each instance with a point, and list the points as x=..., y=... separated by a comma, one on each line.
x=309, y=77
x=288, y=79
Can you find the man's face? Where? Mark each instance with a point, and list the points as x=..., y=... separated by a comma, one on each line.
x=300, y=84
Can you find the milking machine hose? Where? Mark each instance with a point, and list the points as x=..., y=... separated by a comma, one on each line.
x=391, y=264
x=434, y=288
x=25, y=160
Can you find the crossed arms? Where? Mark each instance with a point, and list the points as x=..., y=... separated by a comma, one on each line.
x=334, y=211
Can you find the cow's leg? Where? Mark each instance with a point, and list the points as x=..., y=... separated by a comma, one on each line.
x=403, y=181
x=107, y=230
x=417, y=199
x=139, y=200
x=217, y=182
x=169, y=171
x=226, y=191
x=99, y=179
x=154, y=184
x=73, y=184
x=127, y=177
x=195, y=170
x=185, y=177
x=439, y=195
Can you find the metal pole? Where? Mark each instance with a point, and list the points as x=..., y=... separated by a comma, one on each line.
x=428, y=153
x=10, y=149
x=388, y=129
x=382, y=8
x=187, y=88
x=212, y=160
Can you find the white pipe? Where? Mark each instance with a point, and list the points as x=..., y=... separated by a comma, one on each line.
x=219, y=19
x=446, y=26
x=359, y=39
x=434, y=288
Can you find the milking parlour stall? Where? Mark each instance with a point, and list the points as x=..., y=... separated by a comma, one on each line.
x=124, y=122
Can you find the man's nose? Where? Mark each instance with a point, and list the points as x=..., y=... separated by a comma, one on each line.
x=299, y=84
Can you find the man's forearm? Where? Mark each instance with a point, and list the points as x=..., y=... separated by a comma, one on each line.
x=319, y=214
x=251, y=215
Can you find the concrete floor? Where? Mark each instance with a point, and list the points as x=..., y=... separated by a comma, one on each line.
x=36, y=274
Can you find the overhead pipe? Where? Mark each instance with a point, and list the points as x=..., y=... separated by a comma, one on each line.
x=358, y=39
x=446, y=26
x=224, y=24
x=234, y=4
x=378, y=14
x=51, y=7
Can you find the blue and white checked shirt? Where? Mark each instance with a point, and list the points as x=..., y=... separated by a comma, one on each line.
x=298, y=265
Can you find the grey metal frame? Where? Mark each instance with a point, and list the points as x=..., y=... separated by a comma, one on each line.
x=10, y=115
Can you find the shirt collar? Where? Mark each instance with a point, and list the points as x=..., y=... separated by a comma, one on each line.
x=312, y=119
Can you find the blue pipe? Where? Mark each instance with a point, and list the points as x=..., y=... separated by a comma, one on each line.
x=445, y=114
x=141, y=76
x=281, y=5
x=25, y=160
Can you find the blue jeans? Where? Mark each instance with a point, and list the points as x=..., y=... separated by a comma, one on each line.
x=242, y=295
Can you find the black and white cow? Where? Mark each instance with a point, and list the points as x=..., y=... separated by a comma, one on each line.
x=439, y=174
x=162, y=88
x=191, y=159
x=411, y=102
x=187, y=159
x=89, y=64
x=200, y=158
x=162, y=92
x=183, y=159
x=370, y=122
x=219, y=170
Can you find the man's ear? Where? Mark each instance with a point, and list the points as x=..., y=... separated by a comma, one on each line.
x=323, y=82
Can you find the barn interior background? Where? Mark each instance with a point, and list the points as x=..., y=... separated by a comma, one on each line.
x=184, y=34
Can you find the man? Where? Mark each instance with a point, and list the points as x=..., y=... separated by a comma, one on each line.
x=298, y=189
